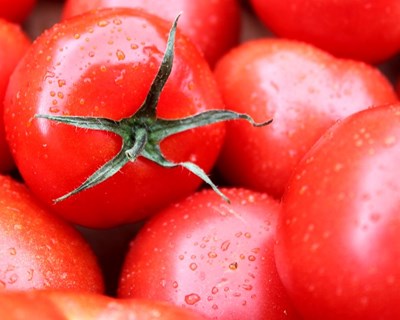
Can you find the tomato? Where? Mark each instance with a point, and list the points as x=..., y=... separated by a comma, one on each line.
x=356, y=29
x=102, y=64
x=16, y=11
x=49, y=304
x=214, y=26
x=13, y=44
x=305, y=91
x=337, y=249
x=38, y=250
x=210, y=256
x=27, y=305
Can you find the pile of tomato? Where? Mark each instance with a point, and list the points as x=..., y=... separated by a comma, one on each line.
x=193, y=159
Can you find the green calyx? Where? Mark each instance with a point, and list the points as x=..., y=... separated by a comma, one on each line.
x=143, y=132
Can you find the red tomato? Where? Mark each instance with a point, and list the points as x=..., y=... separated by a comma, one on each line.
x=16, y=11
x=13, y=45
x=338, y=238
x=303, y=89
x=210, y=256
x=102, y=64
x=38, y=250
x=214, y=26
x=44, y=304
x=357, y=29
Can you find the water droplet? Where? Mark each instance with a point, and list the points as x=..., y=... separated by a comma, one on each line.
x=91, y=54
x=12, y=251
x=120, y=55
x=214, y=290
x=102, y=23
x=247, y=235
x=390, y=140
x=233, y=266
x=30, y=274
x=117, y=21
x=61, y=83
x=49, y=74
x=215, y=307
x=181, y=257
x=225, y=245
x=375, y=217
x=190, y=85
x=252, y=258
x=212, y=255
x=103, y=68
x=247, y=287
x=163, y=283
x=13, y=278
x=134, y=46
x=52, y=93
x=192, y=298
x=77, y=35
x=338, y=167
x=193, y=266
x=175, y=284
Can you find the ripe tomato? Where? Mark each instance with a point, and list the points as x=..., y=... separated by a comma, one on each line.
x=16, y=11
x=13, y=45
x=210, y=256
x=337, y=249
x=303, y=89
x=356, y=29
x=48, y=304
x=102, y=64
x=214, y=26
x=38, y=250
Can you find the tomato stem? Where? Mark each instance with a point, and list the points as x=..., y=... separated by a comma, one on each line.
x=143, y=132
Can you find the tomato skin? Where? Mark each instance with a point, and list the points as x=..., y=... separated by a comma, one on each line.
x=16, y=11
x=350, y=29
x=52, y=304
x=13, y=45
x=214, y=26
x=38, y=250
x=305, y=91
x=116, y=51
x=209, y=256
x=337, y=246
